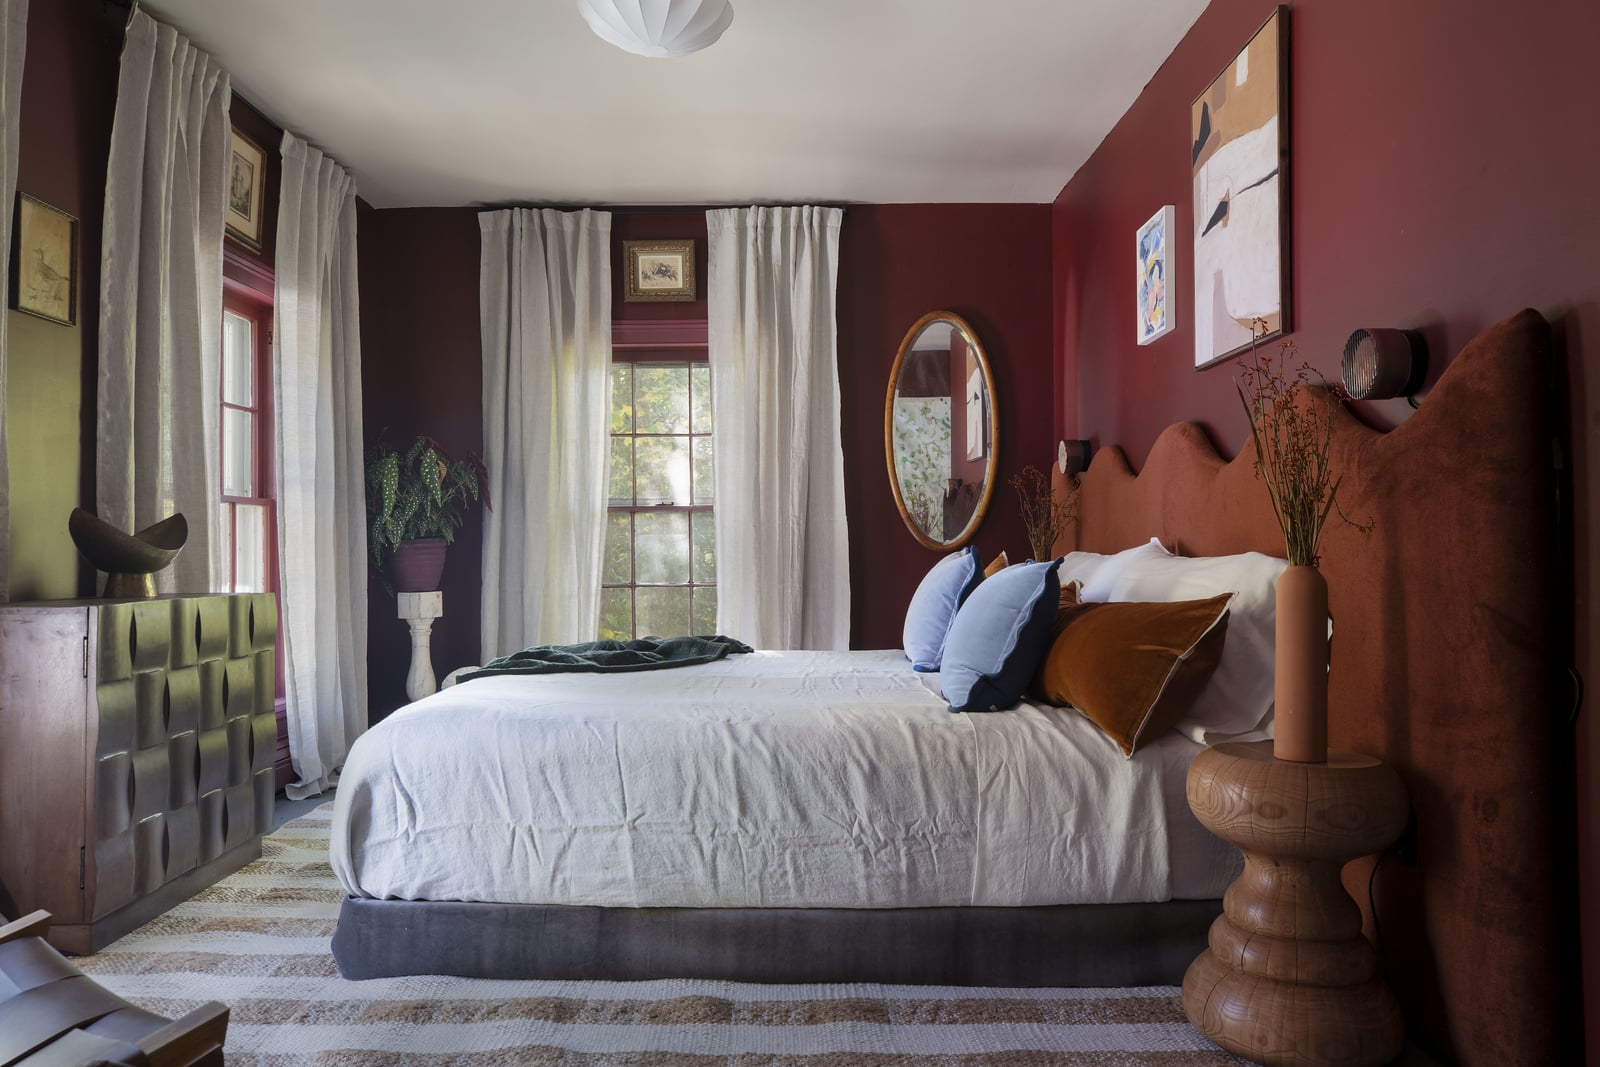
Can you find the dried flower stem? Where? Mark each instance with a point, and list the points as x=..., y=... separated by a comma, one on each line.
x=1045, y=515
x=1291, y=422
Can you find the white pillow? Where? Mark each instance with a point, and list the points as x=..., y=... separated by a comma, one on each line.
x=1236, y=704
x=1096, y=569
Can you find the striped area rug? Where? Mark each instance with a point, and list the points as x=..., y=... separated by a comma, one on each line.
x=258, y=941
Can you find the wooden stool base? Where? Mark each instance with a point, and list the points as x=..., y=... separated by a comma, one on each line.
x=1288, y=979
x=1293, y=1024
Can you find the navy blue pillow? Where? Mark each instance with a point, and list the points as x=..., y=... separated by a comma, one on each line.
x=933, y=607
x=1000, y=636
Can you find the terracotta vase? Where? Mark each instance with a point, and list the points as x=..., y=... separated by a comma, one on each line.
x=419, y=564
x=1300, y=686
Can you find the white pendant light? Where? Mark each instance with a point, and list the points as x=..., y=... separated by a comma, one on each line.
x=658, y=28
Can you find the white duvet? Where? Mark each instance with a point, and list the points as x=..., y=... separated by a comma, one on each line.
x=774, y=779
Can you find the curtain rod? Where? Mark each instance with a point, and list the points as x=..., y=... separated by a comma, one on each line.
x=503, y=205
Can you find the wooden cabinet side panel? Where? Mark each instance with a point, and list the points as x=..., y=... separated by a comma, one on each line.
x=44, y=760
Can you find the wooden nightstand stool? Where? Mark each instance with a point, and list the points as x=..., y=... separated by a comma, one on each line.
x=1288, y=978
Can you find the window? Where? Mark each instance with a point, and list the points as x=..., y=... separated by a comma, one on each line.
x=248, y=519
x=660, y=569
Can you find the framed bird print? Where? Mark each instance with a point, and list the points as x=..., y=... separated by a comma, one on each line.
x=44, y=272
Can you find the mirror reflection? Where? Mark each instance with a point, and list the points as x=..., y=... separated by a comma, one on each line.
x=940, y=430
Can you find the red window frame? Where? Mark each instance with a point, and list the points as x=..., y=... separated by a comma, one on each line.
x=247, y=291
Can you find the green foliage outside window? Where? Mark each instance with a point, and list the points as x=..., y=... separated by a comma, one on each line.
x=659, y=572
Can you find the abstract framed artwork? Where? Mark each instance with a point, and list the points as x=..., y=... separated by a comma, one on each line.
x=247, y=173
x=1239, y=162
x=1154, y=276
x=44, y=275
x=659, y=270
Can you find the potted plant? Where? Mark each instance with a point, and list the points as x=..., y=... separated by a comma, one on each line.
x=416, y=501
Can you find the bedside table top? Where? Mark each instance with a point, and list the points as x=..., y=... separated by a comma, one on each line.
x=1261, y=752
x=1350, y=806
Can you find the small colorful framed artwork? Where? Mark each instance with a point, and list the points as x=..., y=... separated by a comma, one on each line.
x=659, y=270
x=247, y=172
x=44, y=276
x=1155, y=276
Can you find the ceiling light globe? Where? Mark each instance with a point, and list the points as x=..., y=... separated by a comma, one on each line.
x=660, y=29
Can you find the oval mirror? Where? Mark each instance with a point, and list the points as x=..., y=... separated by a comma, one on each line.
x=940, y=429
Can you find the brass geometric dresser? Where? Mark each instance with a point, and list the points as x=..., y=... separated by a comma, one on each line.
x=136, y=755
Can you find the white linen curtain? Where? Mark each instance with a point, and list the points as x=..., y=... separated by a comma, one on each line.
x=322, y=577
x=545, y=301
x=783, y=558
x=13, y=47
x=161, y=297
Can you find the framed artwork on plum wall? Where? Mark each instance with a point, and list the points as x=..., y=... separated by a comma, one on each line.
x=1239, y=165
x=659, y=270
x=1154, y=276
x=44, y=271
x=247, y=171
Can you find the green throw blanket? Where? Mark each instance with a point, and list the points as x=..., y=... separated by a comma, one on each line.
x=611, y=657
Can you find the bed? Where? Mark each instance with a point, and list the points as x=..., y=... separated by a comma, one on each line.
x=806, y=785
x=1445, y=665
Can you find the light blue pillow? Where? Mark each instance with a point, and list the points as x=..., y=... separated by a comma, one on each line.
x=933, y=607
x=1000, y=636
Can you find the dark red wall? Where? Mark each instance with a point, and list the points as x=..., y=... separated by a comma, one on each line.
x=1438, y=181
x=421, y=363
x=422, y=373
x=990, y=264
x=1444, y=168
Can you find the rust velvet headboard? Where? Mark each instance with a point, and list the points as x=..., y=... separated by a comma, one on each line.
x=1445, y=658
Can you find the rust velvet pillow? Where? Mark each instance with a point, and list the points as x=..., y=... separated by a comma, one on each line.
x=996, y=565
x=1132, y=668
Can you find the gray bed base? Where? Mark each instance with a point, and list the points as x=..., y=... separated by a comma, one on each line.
x=1069, y=945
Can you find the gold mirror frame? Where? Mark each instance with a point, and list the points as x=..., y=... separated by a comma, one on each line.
x=992, y=460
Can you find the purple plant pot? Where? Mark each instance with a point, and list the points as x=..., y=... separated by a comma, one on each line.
x=419, y=564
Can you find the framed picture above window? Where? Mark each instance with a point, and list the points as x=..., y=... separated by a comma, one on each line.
x=247, y=172
x=44, y=277
x=659, y=270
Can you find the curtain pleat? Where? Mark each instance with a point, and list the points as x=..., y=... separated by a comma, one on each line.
x=13, y=48
x=322, y=583
x=783, y=573
x=161, y=297
x=545, y=302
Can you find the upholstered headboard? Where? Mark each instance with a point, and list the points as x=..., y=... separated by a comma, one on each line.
x=1444, y=664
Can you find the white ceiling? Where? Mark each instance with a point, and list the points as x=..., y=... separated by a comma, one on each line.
x=819, y=101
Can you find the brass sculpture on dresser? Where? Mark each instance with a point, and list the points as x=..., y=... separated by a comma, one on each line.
x=129, y=560
x=136, y=755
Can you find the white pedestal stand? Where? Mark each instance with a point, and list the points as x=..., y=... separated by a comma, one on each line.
x=420, y=609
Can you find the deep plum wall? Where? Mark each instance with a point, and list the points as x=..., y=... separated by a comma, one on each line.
x=1442, y=176
x=69, y=93
x=990, y=264
x=421, y=373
